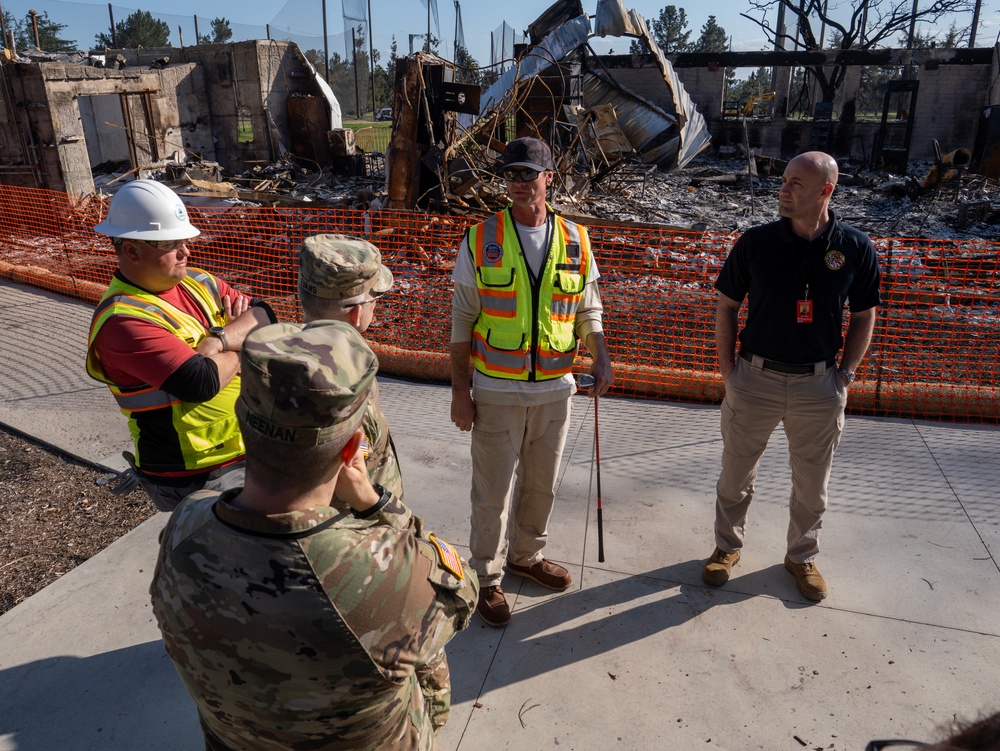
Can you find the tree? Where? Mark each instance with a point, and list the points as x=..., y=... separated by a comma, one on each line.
x=713, y=38
x=954, y=38
x=669, y=30
x=468, y=66
x=221, y=32
x=757, y=83
x=138, y=30
x=871, y=22
x=48, y=33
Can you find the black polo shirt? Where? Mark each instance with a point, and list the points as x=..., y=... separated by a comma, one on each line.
x=772, y=266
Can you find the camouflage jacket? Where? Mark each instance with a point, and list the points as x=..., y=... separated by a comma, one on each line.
x=383, y=467
x=310, y=629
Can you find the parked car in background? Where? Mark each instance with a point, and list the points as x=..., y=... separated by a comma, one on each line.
x=384, y=114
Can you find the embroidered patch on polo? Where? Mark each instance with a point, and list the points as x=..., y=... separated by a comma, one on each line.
x=834, y=260
x=448, y=557
x=493, y=252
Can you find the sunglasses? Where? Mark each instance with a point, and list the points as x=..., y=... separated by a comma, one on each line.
x=524, y=174
x=165, y=245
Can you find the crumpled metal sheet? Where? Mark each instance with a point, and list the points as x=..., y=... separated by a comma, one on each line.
x=613, y=20
x=652, y=132
x=669, y=140
x=559, y=43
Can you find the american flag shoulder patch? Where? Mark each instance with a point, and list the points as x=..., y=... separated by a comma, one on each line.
x=448, y=556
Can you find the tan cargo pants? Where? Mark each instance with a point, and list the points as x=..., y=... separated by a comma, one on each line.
x=519, y=446
x=811, y=407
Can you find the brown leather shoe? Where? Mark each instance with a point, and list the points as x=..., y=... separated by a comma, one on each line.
x=492, y=606
x=546, y=573
x=808, y=579
x=717, y=568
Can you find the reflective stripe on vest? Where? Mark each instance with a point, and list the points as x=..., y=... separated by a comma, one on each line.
x=200, y=435
x=502, y=336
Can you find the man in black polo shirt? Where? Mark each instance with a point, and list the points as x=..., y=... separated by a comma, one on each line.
x=796, y=274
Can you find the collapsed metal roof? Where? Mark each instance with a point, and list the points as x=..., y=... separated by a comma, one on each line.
x=668, y=139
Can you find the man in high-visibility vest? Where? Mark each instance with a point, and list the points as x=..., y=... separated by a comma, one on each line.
x=166, y=339
x=525, y=293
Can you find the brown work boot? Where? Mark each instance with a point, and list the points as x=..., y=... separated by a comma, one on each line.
x=717, y=568
x=808, y=579
x=546, y=573
x=492, y=606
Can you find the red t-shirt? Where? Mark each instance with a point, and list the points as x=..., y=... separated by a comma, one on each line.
x=135, y=352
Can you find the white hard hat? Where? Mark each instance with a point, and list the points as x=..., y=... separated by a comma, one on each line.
x=147, y=210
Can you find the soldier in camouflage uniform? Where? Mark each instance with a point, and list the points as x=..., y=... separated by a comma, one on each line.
x=341, y=278
x=297, y=620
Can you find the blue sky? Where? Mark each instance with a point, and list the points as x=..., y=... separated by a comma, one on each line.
x=302, y=20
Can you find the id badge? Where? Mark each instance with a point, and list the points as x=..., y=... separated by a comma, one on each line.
x=804, y=311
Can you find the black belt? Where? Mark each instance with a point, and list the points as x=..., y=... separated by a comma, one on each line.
x=787, y=367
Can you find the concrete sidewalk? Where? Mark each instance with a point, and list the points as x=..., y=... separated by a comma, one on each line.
x=639, y=654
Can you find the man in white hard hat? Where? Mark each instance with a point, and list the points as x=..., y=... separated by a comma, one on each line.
x=166, y=339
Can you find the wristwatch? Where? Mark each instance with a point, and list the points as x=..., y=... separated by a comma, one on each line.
x=220, y=333
x=848, y=374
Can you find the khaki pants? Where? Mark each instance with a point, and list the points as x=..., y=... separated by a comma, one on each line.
x=811, y=407
x=519, y=446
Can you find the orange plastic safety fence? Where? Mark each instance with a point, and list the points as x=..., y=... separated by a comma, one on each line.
x=934, y=354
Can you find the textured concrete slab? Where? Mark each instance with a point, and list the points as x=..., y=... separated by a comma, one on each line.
x=638, y=654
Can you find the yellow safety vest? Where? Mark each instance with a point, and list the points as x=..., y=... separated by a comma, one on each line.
x=188, y=436
x=525, y=330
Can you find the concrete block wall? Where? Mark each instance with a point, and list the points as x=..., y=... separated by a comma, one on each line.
x=172, y=91
x=950, y=100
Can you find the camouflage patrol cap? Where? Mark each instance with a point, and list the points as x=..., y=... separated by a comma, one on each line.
x=343, y=268
x=305, y=385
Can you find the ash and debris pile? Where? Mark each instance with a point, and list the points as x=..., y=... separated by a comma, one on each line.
x=718, y=193
x=721, y=194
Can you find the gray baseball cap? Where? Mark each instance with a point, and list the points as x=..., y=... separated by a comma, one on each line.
x=528, y=152
x=305, y=384
x=343, y=268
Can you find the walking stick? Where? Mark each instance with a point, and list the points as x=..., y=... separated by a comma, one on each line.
x=586, y=381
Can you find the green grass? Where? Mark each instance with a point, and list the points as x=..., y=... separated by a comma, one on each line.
x=357, y=125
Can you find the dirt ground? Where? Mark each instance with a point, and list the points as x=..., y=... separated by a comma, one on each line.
x=53, y=516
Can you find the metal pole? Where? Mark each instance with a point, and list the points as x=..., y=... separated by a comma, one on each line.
x=371, y=55
x=975, y=24
x=114, y=34
x=326, y=43
x=779, y=43
x=197, y=36
x=180, y=35
x=354, y=59
x=427, y=47
x=913, y=26
x=34, y=26
x=822, y=24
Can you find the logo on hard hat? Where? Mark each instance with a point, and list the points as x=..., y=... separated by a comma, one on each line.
x=493, y=252
x=181, y=213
